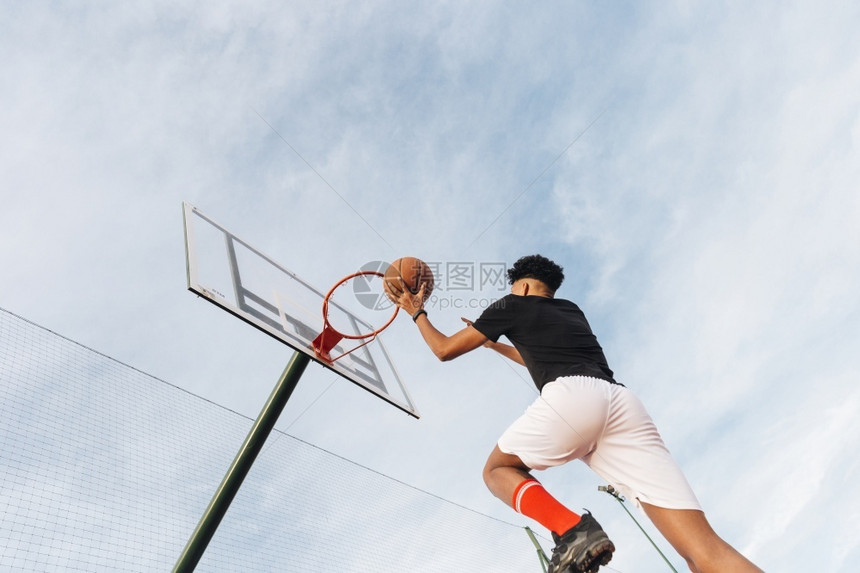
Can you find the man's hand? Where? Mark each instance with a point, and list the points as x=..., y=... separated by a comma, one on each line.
x=409, y=302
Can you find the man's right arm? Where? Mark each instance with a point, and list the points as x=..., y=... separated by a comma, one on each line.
x=507, y=351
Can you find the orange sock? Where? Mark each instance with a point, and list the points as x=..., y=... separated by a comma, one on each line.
x=532, y=500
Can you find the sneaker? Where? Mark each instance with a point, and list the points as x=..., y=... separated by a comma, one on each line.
x=581, y=549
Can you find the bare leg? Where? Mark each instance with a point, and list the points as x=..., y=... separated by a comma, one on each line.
x=689, y=532
x=503, y=473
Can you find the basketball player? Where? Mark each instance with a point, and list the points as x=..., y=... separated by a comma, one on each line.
x=582, y=413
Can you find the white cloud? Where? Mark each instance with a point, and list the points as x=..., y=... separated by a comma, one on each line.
x=802, y=451
x=707, y=220
x=724, y=228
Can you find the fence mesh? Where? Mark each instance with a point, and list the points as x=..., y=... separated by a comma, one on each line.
x=105, y=468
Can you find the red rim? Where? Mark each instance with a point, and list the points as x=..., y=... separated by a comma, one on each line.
x=327, y=324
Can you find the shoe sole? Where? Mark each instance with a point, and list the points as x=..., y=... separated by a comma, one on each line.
x=598, y=555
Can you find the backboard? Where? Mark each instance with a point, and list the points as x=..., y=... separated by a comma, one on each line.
x=229, y=272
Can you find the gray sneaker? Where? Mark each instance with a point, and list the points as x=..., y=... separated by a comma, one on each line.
x=581, y=549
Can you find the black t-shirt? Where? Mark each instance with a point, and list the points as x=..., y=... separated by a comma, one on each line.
x=551, y=334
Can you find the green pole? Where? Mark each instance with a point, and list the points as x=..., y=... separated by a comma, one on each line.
x=241, y=464
x=544, y=562
x=611, y=491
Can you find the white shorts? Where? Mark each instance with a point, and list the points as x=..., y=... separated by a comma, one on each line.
x=606, y=426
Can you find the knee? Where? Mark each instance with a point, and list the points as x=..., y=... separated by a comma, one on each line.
x=493, y=463
x=712, y=555
x=691, y=564
x=501, y=469
x=487, y=473
x=697, y=552
x=495, y=472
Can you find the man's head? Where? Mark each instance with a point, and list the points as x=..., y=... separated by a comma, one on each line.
x=539, y=268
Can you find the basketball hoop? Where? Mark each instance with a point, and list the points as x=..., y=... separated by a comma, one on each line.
x=330, y=336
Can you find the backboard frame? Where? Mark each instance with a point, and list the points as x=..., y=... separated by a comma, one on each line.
x=363, y=362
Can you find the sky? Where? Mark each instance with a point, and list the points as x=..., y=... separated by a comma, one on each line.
x=693, y=166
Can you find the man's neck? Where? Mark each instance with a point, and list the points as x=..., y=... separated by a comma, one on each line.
x=532, y=287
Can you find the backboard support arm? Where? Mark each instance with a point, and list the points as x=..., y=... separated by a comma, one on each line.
x=241, y=465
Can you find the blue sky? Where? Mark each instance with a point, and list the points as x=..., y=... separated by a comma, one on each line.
x=706, y=215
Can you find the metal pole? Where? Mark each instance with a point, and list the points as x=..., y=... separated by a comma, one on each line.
x=544, y=562
x=611, y=491
x=241, y=464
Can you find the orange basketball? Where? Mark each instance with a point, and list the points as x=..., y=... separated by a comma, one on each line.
x=414, y=273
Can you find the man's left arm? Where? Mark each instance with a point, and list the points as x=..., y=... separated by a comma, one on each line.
x=505, y=350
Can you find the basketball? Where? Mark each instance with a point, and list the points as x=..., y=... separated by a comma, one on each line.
x=414, y=273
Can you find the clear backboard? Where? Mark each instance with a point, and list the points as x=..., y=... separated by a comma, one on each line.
x=232, y=274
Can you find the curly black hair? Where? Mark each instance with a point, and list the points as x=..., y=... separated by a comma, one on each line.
x=537, y=267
